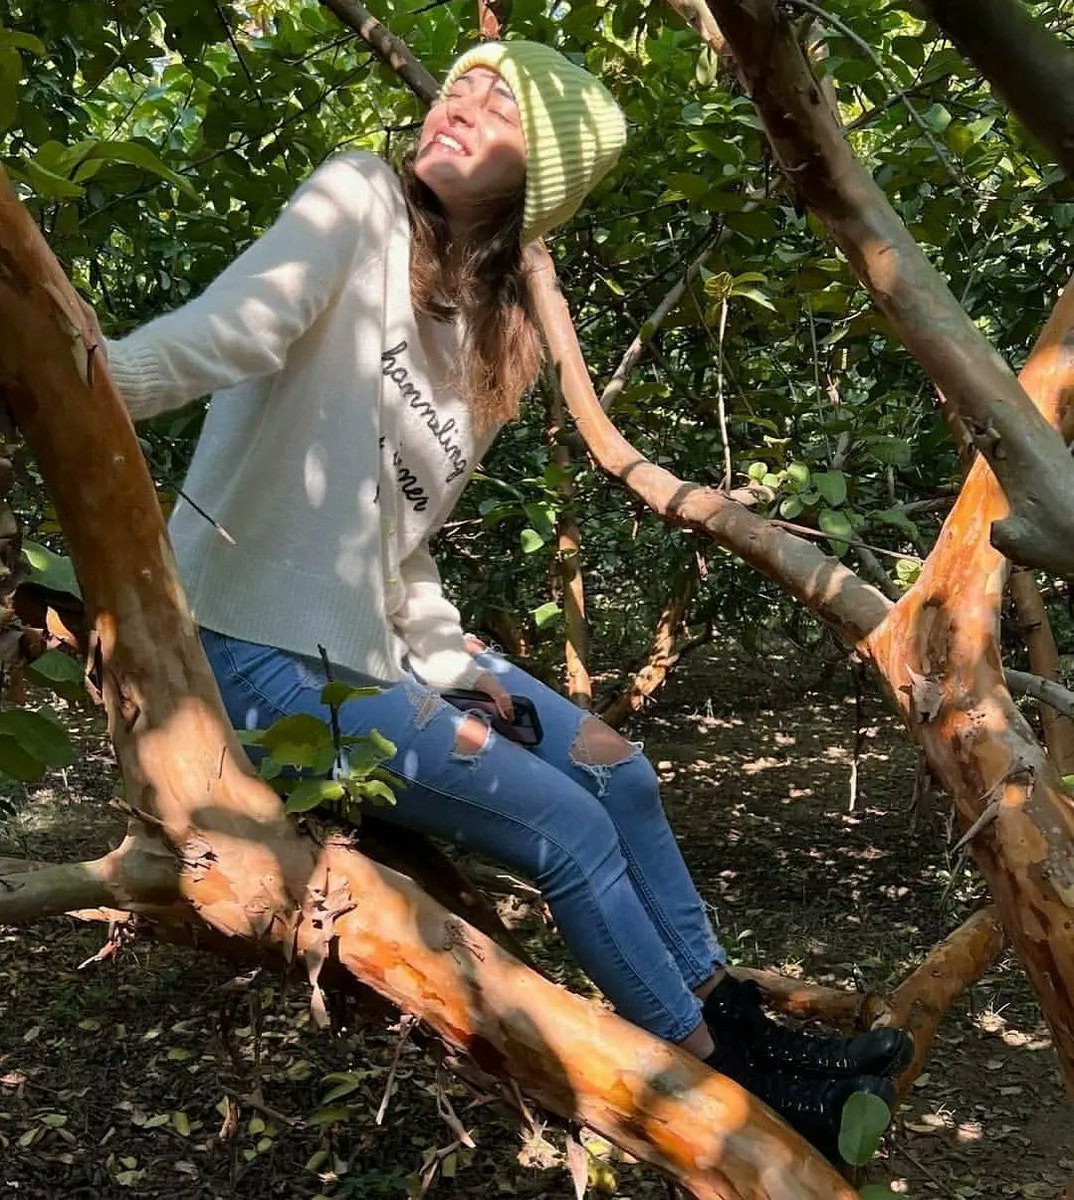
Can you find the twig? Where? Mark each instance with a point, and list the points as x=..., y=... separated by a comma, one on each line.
x=808, y=531
x=406, y=1024
x=238, y=53
x=721, y=403
x=847, y=32
x=209, y=517
x=634, y=351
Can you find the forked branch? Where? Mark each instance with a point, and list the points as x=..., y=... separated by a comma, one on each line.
x=1028, y=457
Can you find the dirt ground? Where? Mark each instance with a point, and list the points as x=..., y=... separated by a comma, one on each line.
x=115, y=1076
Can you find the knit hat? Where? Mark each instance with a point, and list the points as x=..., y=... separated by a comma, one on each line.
x=574, y=129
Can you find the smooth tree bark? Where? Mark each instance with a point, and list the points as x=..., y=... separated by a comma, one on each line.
x=210, y=848
x=1030, y=68
x=1028, y=456
x=388, y=47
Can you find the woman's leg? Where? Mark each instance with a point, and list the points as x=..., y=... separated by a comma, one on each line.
x=466, y=784
x=617, y=773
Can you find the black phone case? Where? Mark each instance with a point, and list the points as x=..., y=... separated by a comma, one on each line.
x=525, y=729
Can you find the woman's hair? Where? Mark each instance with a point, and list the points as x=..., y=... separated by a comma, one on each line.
x=483, y=282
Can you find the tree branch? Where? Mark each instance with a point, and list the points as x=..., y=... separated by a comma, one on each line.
x=819, y=580
x=1030, y=68
x=138, y=873
x=920, y=1001
x=1028, y=457
x=636, y=349
x=388, y=48
x=1047, y=691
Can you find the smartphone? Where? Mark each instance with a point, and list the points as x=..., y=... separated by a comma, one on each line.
x=525, y=729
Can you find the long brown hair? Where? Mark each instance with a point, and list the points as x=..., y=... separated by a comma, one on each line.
x=483, y=282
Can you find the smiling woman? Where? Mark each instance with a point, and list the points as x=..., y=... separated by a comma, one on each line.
x=472, y=149
x=362, y=355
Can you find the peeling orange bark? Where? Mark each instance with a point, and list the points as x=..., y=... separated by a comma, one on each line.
x=938, y=651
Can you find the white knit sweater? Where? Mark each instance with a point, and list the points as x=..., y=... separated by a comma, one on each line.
x=335, y=444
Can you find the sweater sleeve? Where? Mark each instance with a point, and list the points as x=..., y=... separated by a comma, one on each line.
x=241, y=326
x=431, y=627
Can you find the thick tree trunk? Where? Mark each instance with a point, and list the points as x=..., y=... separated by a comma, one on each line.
x=210, y=841
x=938, y=652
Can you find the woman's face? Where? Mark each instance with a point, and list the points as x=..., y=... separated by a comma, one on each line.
x=472, y=149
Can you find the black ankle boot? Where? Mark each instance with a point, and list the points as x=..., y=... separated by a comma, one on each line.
x=812, y=1106
x=733, y=1010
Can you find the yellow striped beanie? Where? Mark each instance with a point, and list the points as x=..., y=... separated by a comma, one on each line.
x=573, y=127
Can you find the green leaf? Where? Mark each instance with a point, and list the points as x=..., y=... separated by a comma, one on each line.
x=865, y=1117
x=897, y=518
x=798, y=474
x=531, y=540
x=17, y=763
x=758, y=297
x=545, y=614
x=790, y=507
x=10, y=73
x=59, y=671
x=50, y=570
x=40, y=735
x=543, y=518
x=137, y=155
x=376, y=791
x=17, y=40
x=45, y=183
x=757, y=471
x=892, y=451
x=336, y=693
x=834, y=522
x=832, y=485
x=308, y=793
x=299, y=740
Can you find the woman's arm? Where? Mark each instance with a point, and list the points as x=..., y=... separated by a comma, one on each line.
x=241, y=326
x=431, y=627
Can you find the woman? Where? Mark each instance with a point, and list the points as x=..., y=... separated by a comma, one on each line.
x=362, y=355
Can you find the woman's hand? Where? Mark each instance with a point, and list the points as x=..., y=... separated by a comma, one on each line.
x=489, y=684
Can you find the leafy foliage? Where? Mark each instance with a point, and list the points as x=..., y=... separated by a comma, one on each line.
x=297, y=752
x=154, y=141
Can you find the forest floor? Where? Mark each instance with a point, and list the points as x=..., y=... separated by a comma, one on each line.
x=114, y=1078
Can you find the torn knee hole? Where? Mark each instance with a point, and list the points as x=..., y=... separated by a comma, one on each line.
x=597, y=744
x=471, y=736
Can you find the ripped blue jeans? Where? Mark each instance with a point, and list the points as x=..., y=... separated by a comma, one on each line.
x=593, y=838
